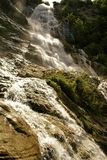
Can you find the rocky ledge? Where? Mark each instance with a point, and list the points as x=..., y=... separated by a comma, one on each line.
x=17, y=141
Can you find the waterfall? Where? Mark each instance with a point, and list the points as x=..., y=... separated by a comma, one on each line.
x=103, y=88
x=53, y=140
x=60, y=133
x=51, y=2
x=48, y=51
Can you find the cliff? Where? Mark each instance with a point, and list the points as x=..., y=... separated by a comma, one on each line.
x=53, y=106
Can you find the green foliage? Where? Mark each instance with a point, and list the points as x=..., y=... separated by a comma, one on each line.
x=79, y=93
x=93, y=48
x=54, y=85
x=102, y=5
x=88, y=22
x=79, y=89
x=101, y=58
x=68, y=48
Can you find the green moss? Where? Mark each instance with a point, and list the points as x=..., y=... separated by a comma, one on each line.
x=79, y=89
x=54, y=85
x=79, y=93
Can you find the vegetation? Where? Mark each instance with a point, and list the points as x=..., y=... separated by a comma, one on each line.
x=80, y=95
x=80, y=89
x=88, y=25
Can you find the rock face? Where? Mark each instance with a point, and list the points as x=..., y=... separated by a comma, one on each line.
x=11, y=10
x=17, y=9
x=17, y=141
x=35, y=124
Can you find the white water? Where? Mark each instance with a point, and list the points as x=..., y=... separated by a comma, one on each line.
x=45, y=126
x=16, y=98
x=51, y=1
x=47, y=49
x=103, y=88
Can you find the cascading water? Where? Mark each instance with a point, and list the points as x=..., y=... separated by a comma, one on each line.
x=54, y=142
x=103, y=88
x=60, y=136
x=51, y=2
x=49, y=51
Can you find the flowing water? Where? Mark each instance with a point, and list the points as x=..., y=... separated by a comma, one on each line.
x=103, y=88
x=48, y=50
x=46, y=127
x=60, y=136
x=51, y=2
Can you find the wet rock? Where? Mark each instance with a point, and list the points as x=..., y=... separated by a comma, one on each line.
x=59, y=137
x=49, y=153
x=17, y=140
x=1, y=95
x=38, y=103
x=31, y=70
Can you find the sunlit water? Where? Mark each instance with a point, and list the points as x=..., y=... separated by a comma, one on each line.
x=51, y=53
x=16, y=98
x=47, y=49
x=51, y=1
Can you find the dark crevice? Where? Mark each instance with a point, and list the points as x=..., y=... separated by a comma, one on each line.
x=17, y=127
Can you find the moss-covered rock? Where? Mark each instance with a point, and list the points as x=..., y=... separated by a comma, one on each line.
x=80, y=94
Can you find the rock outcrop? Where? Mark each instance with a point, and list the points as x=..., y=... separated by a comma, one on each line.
x=37, y=122
x=10, y=9
x=17, y=141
